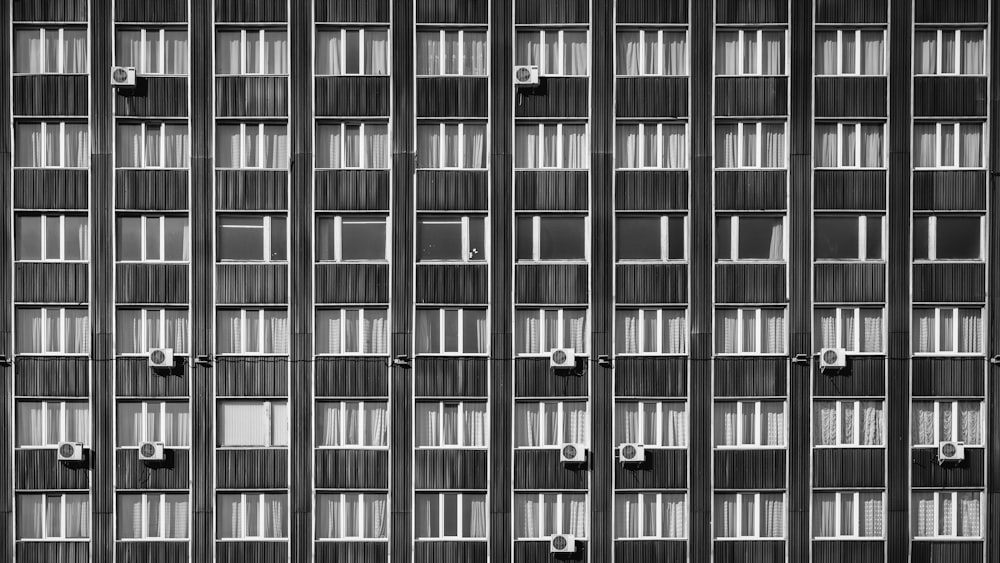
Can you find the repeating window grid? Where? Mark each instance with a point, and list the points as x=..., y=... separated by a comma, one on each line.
x=347, y=34
x=444, y=327
x=957, y=153
x=854, y=346
x=755, y=128
x=932, y=236
x=652, y=344
x=338, y=234
x=461, y=440
x=244, y=48
x=657, y=517
x=561, y=337
x=442, y=64
x=144, y=433
x=743, y=35
x=365, y=161
x=46, y=507
x=246, y=129
x=749, y=529
x=757, y=421
x=853, y=519
x=758, y=315
x=60, y=52
x=358, y=409
x=857, y=55
x=661, y=48
x=844, y=129
x=60, y=346
x=62, y=429
x=939, y=45
x=541, y=155
x=950, y=434
x=367, y=347
x=259, y=518
x=460, y=521
x=549, y=442
x=159, y=316
x=544, y=507
x=560, y=46
x=344, y=517
x=536, y=241
x=46, y=159
x=660, y=140
x=161, y=518
x=734, y=240
x=863, y=228
x=659, y=440
x=947, y=525
x=949, y=348
x=44, y=229
x=467, y=250
x=246, y=314
x=161, y=130
x=458, y=139
x=852, y=409
x=161, y=54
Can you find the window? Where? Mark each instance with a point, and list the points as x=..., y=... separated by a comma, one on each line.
x=50, y=50
x=252, y=238
x=452, y=52
x=850, y=145
x=550, y=145
x=539, y=516
x=948, y=145
x=252, y=424
x=252, y=515
x=537, y=331
x=450, y=516
x=651, y=331
x=849, y=423
x=140, y=330
x=451, y=425
x=651, y=145
x=341, y=52
x=651, y=238
x=749, y=515
x=152, y=516
x=152, y=145
x=749, y=424
x=52, y=330
x=153, y=238
x=947, y=330
x=850, y=52
x=551, y=237
x=53, y=516
x=351, y=516
x=352, y=331
x=652, y=423
x=949, y=51
x=154, y=421
x=451, y=238
x=946, y=514
x=848, y=237
x=848, y=514
x=352, y=424
x=750, y=145
x=750, y=237
x=640, y=516
x=51, y=238
x=43, y=424
x=750, y=331
x=152, y=51
x=652, y=52
x=452, y=331
x=948, y=237
x=352, y=145
x=252, y=331
x=251, y=145
x=555, y=52
x=857, y=330
x=451, y=145
x=749, y=52
x=251, y=51
x=947, y=421
x=350, y=239
x=550, y=424
x=51, y=144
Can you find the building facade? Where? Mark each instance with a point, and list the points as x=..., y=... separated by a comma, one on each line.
x=356, y=247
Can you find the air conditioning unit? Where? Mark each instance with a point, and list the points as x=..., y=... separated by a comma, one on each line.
x=562, y=543
x=151, y=451
x=562, y=358
x=123, y=76
x=526, y=75
x=832, y=359
x=161, y=358
x=70, y=451
x=632, y=453
x=573, y=453
x=950, y=452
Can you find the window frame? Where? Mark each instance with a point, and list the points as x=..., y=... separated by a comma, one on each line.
x=739, y=496
x=362, y=29
x=661, y=47
x=742, y=32
x=857, y=423
x=462, y=46
x=461, y=522
x=462, y=440
x=337, y=245
x=741, y=126
x=863, y=228
x=660, y=141
x=260, y=151
x=841, y=126
x=932, y=237
x=539, y=155
x=543, y=54
x=759, y=324
x=45, y=157
x=642, y=337
x=161, y=31
x=561, y=416
x=561, y=323
x=44, y=218
x=953, y=406
x=560, y=507
x=758, y=422
x=261, y=32
x=858, y=49
x=466, y=235
x=142, y=432
x=161, y=325
x=162, y=127
x=658, y=514
x=660, y=439
x=959, y=59
x=63, y=430
x=363, y=405
x=144, y=516
x=261, y=321
x=464, y=161
x=958, y=153
x=272, y=441
x=855, y=348
x=937, y=495
x=734, y=238
x=45, y=537
x=856, y=515
x=60, y=50
x=443, y=331
x=536, y=238
x=364, y=158
x=664, y=237
x=360, y=335
x=60, y=329
x=144, y=228
x=936, y=336
x=243, y=515
x=267, y=234
x=359, y=517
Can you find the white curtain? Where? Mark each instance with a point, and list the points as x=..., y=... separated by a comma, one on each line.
x=275, y=332
x=826, y=328
x=328, y=426
x=377, y=145
x=376, y=52
x=773, y=135
x=674, y=331
x=627, y=331
x=328, y=331
x=925, y=52
x=228, y=150
x=923, y=514
x=827, y=145
x=725, y=424
x=727, y=145
x=925, y=145
x=526, y=146
x=970, y=148
x=428, y=424
x=476, y=61
x=726, y=331
x=674, y=420
x=628, y=53
x=871, y=330
x=872, y=53
x=474, y=513
x=826, y=53
x=774, y=331
x=825, y=515
x=772, y=521
x=872, y=423
x=972, y=52
x=574, y=515
x=527, y=523
x=474, y=422
x=675, y=45
x=474, y=139
x=674, y=517
x=725, y=516
x=574, y=423
x=175, y=137
x=969, y=517
x=773, y=52
x=871, y=146
x=275, y=146
x=773, y=414
x=727, y=53
x=970, y=330
x=628, y=423
x=575, y=52
x=627, y=511
x=923, y=425
x=328, y=52
x=574, y=146
x=674, y=146
x=924, y=334
x=969, y=424
x=872, y=515
x=175, y=524
x=243, y=423
x=227, y=52
x=31, y=424
x=825, y=423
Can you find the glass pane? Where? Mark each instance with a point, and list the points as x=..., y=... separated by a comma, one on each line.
x=638, y=238
x=760, y=238
x=836, y=238
x=439, y=239
x=241, y=238
x=561, y=238
x=28, y=237
x=958, y=238
x=363, y=239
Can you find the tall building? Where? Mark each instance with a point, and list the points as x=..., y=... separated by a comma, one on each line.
x=484, y=280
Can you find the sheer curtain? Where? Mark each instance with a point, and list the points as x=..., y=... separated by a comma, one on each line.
x=826, y=53
x=674, y=523
x=827, y=145
x=871, y=330
x=227, y=52
x=923, y=515
x=376, y=52
x=574, y=423
x=925, y=145
x=923, y=330
x=328, y=424
x=31, y=424
x=628, y=53
x=773, y=52
x=175, y=524
x=872, y=515
x=675, y=150
x=175, y=137
x=628, y=331
x=774, y=331
x=176, y=329
x=275, y=146
x=774, y=423
x=574, y=146
x=970, y=330
x=773, y=145
x=476, y=522
x=725, y=516
x=675, y=46
x=773, y=516
x=28, y=51
x=476, y=61
x=727, y=53
x=972, y=52
x=275, y=332
x=825, y=423
x=674, y=420
x=969, y=518
x=825, y=515
x=726, y=331
x=725, y=424
x=628, y=423
x=474, y=422
x=727, y=145
x=872, y=53
x=970, y=149
x=826, y=328
x=243, y=423
x=526, y=146
x=674, y=331
x=275, y=523
x=328, y=331
x=377, y=145
x=528, y=49
x=176, y=424
x=575, y=46
x=627, y=146
x=574, y=515
x=474, y=137
x=925, y=52
x=969, y=423
x=872, y=424
x=428, y=423
x=527, y=425
x=328, y=52
x=871, y=146
x=626, y=515
x=922, y=424
x=527, y=523
x=228, y=150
